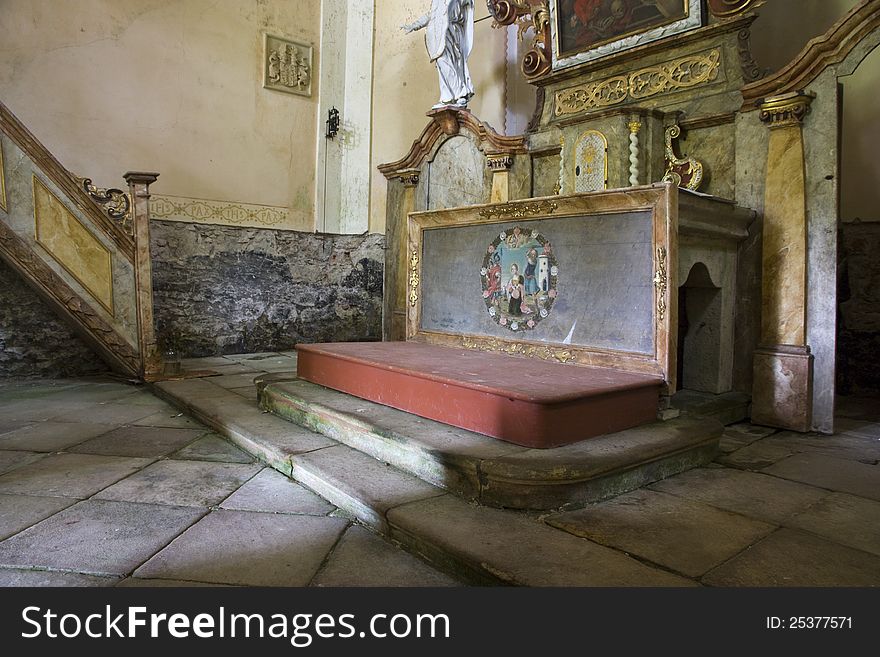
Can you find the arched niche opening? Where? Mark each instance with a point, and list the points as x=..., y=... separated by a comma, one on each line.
x=700, y=315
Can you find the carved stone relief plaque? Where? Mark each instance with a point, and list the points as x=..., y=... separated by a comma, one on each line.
x=287, y=65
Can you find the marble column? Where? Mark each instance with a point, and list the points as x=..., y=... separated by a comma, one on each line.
x=139, y=188
x=499, y=164
x=410, y=180
x=783, y=366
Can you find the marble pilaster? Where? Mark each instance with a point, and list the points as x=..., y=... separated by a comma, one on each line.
x=782, y=390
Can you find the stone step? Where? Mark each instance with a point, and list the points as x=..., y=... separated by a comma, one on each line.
x=488, y=471
x=477, y=544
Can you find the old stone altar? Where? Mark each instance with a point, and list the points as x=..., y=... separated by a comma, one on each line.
x=547, y=321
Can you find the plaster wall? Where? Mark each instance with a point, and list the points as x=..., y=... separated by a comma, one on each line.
x=167, y=86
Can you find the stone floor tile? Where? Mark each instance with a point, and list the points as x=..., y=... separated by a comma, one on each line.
x=7, y=426
x=752, y=494
x=97, y=537
x=181, y=483
x=209, y=362
x=52, y=436
x=272, y=492
x=256, y=358
x=855, y=447
x=109, y=413
x=192, y=389
x=49, y=578
x=10, y=460
x=148, y=442
x=836, y=474
x=245, y=548
x=739, y=435
x=248, y=392
x=173, y=419
x=69, y=475
x=37, y=410
x=275, y=364
x=230, y=369
x=858, y=427
x=688, y=537
x=364, y=559
x=755, y=456
x=95, y=394
x=793, y=558
x=844, y=519
x=19, y=512
x=242, y=380
x=213, y=448
x=137, y=582
x=515, y=549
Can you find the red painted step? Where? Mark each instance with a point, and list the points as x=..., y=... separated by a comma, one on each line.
x=528, y=402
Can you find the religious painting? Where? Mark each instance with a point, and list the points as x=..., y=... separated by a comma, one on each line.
x=287, y=65
x=589, y=29
x=519, y=278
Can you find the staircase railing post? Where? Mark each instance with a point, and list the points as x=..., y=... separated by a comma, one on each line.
x=139, y=187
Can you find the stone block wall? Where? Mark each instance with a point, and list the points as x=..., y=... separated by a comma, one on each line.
x=33, y=341
x=858, y=329
x=222, y=290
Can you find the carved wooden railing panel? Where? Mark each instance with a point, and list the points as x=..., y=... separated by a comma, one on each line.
x=83, y=249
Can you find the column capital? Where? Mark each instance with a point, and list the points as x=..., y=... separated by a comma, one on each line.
x=409, y=177
x=499, y=161
x=786, y=109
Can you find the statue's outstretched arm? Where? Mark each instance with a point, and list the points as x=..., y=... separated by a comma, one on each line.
x=417, y=24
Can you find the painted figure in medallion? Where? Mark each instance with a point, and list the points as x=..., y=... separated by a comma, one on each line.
x=519, y=279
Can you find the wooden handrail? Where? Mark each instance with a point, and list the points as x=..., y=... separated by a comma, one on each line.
x=65, y=180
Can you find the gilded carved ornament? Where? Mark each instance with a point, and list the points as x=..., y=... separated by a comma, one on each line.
x=787, y=109
x=115, y=203
x=534, y=15
x=729, y=8
x=414, y=278
x=685, y=172
x=518, y=349
x=519, y=210
x=675, y=75
x=660, y=283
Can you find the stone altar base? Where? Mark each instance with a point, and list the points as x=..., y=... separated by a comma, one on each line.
x=526, y=402
x=482, y=469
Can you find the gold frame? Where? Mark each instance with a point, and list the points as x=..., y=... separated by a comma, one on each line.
x=660, y=199
x=46, y=248
x=560, y=56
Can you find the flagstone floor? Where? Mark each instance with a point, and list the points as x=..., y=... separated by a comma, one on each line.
x=104, y=484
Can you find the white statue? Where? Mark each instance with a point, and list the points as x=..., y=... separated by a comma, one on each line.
x=449, y=38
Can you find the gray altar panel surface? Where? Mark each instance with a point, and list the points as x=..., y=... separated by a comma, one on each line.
x=605, y=287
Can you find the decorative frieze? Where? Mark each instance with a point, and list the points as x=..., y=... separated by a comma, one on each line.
x=676, y=75
x=176, y=208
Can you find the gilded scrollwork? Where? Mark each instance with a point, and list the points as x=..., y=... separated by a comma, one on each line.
x=685, y=172
x=661, y=281
x=414, y=278
x=519, y=210
x=527, y=15
x=115, y=203
x=561, y=355
x=683, y=73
